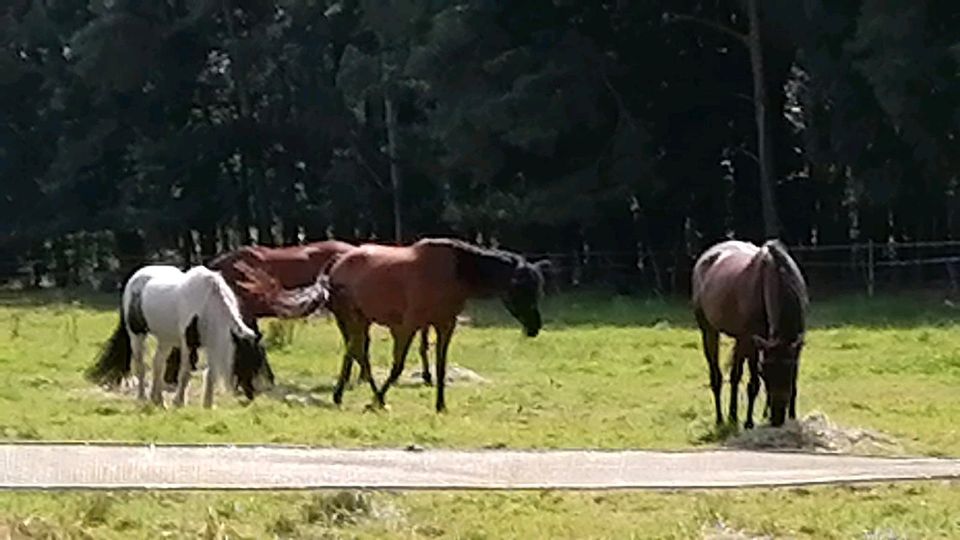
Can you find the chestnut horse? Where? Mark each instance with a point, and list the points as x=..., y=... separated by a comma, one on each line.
x=416, y=287
x=758, y=296
x=291, y=267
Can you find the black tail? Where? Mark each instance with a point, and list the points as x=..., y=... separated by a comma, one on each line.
x=113, y=363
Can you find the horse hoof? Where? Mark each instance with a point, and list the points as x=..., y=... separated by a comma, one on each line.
x=748, y=424
x=428, y=380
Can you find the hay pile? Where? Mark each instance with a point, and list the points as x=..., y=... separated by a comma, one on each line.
x=815, y=432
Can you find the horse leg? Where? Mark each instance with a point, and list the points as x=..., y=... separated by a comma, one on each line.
x=183, y=378
x=365, y=374
x=444, y=335
x=357, y=345
x=364, y=357
x=402, y=338
x=159, y=365
x=793, y=402
x=753, y=387
x=210, y=380
x=425, y=355
x=736, y=372
x=345, y=335
x=137, y=344
x=711, y=349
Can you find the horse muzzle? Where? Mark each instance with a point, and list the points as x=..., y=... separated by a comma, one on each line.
x=778, y=413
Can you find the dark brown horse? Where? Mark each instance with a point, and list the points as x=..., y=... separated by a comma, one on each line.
x=758, y=296
x=419, y=286
x=291, y=267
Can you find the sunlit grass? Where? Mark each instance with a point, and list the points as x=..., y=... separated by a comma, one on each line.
x=592, y=379
x=879, y=511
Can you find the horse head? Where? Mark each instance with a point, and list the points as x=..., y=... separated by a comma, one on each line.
x=779, y=360
x=250, y=367
x=522, y=297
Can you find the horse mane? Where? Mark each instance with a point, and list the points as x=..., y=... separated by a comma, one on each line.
x=793, y=299
x=484, y=270
x=226, y=294
x=220, y=261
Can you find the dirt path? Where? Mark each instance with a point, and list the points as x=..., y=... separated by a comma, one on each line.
x=65, y=466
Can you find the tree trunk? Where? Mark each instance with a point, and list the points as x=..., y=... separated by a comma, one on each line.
x=395, y=179
x=130, y=252
x=760, y=104
x=187, y=249
x=243, y=99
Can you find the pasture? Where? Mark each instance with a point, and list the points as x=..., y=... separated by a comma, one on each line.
x=606, y=372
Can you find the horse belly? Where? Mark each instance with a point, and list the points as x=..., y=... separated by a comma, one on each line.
x=161, y=311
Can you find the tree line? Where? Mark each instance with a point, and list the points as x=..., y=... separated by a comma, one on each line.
x=644, y=129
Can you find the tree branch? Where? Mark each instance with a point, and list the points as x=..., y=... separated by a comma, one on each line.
x=723, y=29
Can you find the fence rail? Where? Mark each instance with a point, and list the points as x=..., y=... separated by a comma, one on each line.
x=864, y=266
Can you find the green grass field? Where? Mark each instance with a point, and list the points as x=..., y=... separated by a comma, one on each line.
x=872, y=512
x=608, y=372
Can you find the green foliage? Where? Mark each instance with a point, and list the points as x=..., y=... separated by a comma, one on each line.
x=543, y=125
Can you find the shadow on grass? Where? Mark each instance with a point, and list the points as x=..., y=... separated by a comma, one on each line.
x=60, y=298
x=714, y=433
x=598, y=308
x=902, y=310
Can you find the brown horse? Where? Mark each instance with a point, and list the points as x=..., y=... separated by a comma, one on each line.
x=758, y=296
x=419, y=286
x=292, y=267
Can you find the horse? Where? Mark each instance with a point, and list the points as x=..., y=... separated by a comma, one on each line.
x=409, y=288
x=292, y=267
x=183, y=310
x=758, y=296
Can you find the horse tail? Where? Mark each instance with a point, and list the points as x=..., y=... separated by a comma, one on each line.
x=113, y=362
x=286, y=303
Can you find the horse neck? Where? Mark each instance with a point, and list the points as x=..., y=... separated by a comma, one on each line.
x=784, y=305
x=484, y=272
x=225, y=305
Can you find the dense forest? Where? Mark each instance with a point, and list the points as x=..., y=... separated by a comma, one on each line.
x=130, y=129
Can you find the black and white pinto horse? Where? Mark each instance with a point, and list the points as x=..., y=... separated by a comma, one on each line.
x=184, y=311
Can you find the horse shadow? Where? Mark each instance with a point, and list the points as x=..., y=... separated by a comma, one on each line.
x=294, y=394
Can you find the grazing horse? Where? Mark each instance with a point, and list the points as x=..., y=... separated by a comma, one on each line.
x=294, y=266
x=184, y=311
x=758, y=296
x=291, y=267
x=416, y=287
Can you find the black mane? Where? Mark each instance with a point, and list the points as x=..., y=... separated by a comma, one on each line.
x=793, y=296
x=486, y=271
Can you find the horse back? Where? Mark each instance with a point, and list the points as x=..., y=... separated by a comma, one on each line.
x=394, y=285
x=728, y=288
x=150, y=301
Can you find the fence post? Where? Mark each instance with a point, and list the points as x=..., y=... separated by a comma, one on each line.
x=870, y=265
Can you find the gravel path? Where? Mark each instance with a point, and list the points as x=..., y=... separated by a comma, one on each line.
x=77, y=466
